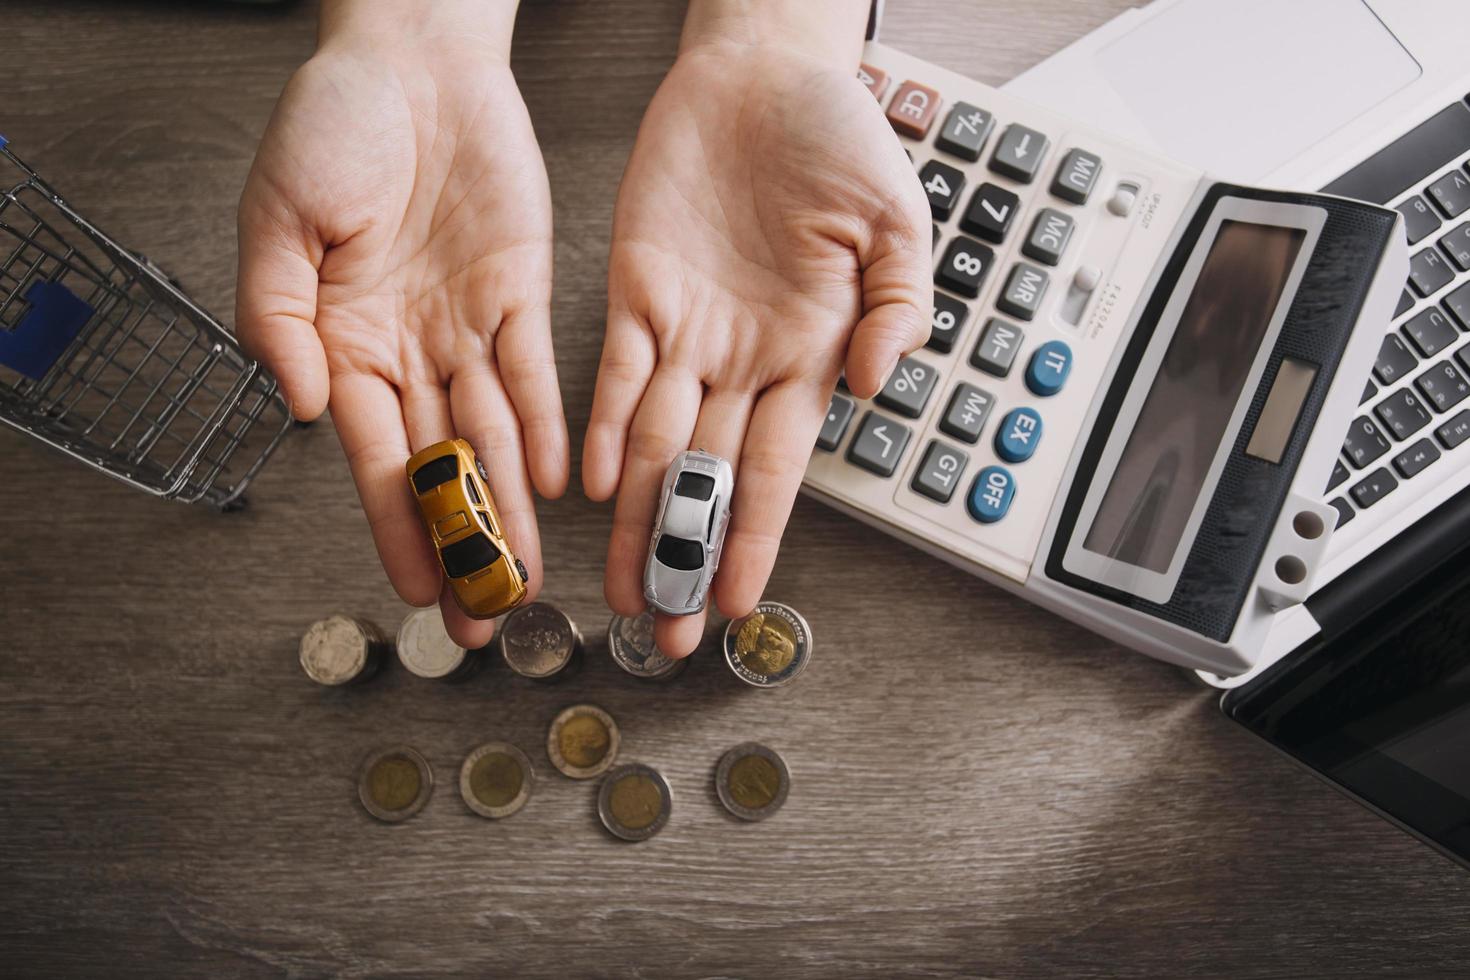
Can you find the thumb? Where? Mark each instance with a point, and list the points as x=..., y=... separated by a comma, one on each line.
x=275, y=304
x=898, y=302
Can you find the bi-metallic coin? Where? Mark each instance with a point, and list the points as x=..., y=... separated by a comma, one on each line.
x=770, y=647
x=583, y=741
x=425, y=649
x=394, y=783
x=539, y=641
x=752, y=781
x=634, y=802
x=496, y=780
x=340, y=650
x=630, y=641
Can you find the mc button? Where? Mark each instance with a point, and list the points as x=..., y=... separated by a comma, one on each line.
x=1018, y=435
x=991, y=494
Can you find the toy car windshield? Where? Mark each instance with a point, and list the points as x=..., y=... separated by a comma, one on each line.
x=469, y=555
x=695, y=486
x=435, y=472
x=680, y=553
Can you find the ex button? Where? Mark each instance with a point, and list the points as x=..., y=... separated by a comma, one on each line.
x=1049, y=367
x=991, y=494
x=1018, y=435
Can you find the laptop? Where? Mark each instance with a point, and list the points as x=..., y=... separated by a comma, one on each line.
x=1367, y=682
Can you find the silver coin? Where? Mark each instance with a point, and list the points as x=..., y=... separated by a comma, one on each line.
x=538, y=641
x=496, y=780
x=394, y=783
x=630, y=641
x=339, y=650
x=752, y=781
x=425, y=649
x=770, y=647
x=634, y=802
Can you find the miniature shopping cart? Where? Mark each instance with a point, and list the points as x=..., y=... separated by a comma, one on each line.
x=102, y=357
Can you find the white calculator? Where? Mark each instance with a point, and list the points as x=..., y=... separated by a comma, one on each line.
x=1138, y=378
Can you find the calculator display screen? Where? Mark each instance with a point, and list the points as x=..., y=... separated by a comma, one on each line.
x=1164, y=465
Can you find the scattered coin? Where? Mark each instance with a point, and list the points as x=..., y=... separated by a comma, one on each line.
x=630, y=641
x=539, y=641
x=634, y=802
x=770, y=647
x=496, y=779
x=395, y=783
x=752, y=781
x=425, y=649
x=583, y=741
x=339, y=650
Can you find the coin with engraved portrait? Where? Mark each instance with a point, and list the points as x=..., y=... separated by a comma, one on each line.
x=496, y=780
x=394, y=783
x=426, y=650
x=634, y=802
x=583, y=741
x=539, y=641
x=630, y=641
x=770, y=647
x=752, y=781
x=341, y=650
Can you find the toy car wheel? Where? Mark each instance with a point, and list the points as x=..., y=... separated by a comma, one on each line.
x=521, y=567
x=480, y=469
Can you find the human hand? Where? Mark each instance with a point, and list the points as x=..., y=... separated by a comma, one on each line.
x=769, y=232
x=395, y=267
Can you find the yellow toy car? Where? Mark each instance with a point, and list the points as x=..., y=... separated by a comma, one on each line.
x=450, y=484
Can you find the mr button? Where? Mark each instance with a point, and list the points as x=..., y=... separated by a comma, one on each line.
x=1018, y=435
x=991, y=494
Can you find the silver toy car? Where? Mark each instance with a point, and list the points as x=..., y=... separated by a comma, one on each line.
x=693, y=512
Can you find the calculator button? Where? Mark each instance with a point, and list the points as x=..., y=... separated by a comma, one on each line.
x=942, y=183
x=1019, y=432
x=913, y=109
x=1339, y=476
x=1443, y=386
x=1429, y=272
x=939, y=471
x=996, y=350
x=879, y=444
x=949, y=319
x=1364, y=442
x=1076, y=176
x=1403, y=413
x=964, y=417
x=991, y=494
x=1047, y=372
x=964, y=267
x=876, y=79
x=1394, y=359
x=991, y=211
x=1412, y=461
x=1050, y=233
x=1344, y=511
x=1021, y=297
x=1454, y=432
x=965, y=131
x=1456, y=245
x=834, y=426
x=1373, y=488
x=1457, y=301
x=1452, y=193
x=1430, y=331
x=1018, y=155
x=1420, y=221
x=908, y=388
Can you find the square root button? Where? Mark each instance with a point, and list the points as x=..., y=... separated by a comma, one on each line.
x=879, y=444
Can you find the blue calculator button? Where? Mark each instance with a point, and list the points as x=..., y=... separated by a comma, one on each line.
x=1018, y=435
x=1049, y=367
x=991, y=493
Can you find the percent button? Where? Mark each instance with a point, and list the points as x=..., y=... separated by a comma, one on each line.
x=909, y=387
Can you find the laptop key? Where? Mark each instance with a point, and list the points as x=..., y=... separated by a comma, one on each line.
x=1369, y=390
x=1403, y=413
x=1076, y=176
x=1412, y=157
x=965, y=131
x=1429, y=272
x=939, y=471
x=996, y=350
x=1049, y=235
x=1420, y=221
x=1394, y=360
x=942, y=184
x=991, y=211
x=1454, y=432
x=964, y=267
x=879, y=444
x=1452, y=193
x=1344, y=510
x=1365, y=442
x=1443, y=386
x=1339, y=476
x=1018, y=155
x=1413, y=461
x=1373, y=488
x=1457, y=301
x=1430, y=331
x=949, y=319
x=1456, y=245
x=964, y=417
x=834, y=426
x=1405, y=304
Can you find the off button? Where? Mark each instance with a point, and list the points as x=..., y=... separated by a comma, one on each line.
x=991, y=494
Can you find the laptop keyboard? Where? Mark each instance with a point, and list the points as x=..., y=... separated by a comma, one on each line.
x=1415, y=415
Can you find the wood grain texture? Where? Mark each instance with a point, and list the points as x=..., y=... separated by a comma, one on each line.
x=979, y=788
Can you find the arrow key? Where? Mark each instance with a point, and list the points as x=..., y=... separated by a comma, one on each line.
x=879, y=444
x=1019, y=153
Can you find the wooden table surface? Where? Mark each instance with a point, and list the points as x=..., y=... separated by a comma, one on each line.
x=979, y=787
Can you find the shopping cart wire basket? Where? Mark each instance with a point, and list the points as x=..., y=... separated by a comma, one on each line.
x=105, y=359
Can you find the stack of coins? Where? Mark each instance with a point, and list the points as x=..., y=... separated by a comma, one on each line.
x=583, y=741
x=634, y=802
x=630, y=641
x=752, y=781
x=496, y=780
x=341, y=650
x=425, y=649
x=770, y=647
x=540, y=641
x=394, y=783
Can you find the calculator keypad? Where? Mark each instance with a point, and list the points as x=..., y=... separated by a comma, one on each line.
x=1019, y=153
x=965, y=131
x=964, y=266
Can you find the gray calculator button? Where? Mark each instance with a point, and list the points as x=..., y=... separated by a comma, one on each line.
x=834, y=426
x=1076, y=176
x=1018, y=155
x=965, y=131
x=996, y=351
x=939, y=471
x=879, y=444
x=964, y=417
x=1050, y=233
x=909, y=387
x=1024, y=288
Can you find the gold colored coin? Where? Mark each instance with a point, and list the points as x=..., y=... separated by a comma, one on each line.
x=765, y=644
x=395, y=783
x=496, y=779
x=754, y=781
x=583, y=741
x=635, y=801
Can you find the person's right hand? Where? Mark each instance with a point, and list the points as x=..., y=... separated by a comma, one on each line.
x=395, y=267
